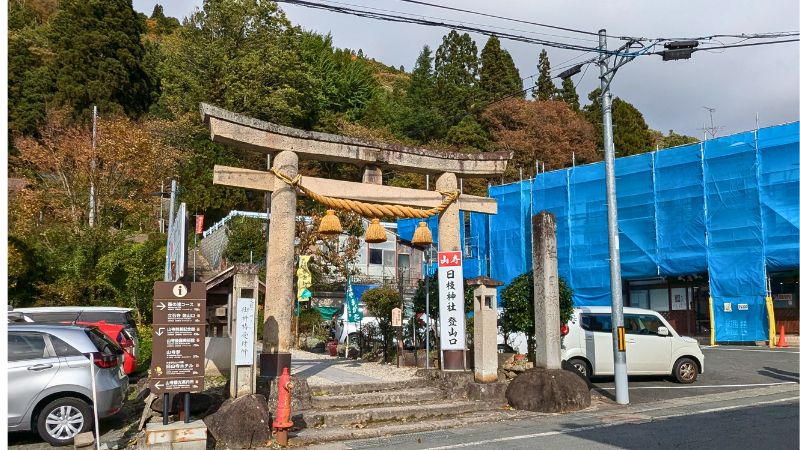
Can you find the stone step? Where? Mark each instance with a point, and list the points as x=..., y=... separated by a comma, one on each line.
x=401, y=413
x=360, y=388
x=385, y=398
x=311, y=436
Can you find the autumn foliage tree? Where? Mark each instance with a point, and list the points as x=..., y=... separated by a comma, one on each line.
x=548, y=131
x=128, y=162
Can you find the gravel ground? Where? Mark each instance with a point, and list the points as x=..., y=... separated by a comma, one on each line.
x=330, y=370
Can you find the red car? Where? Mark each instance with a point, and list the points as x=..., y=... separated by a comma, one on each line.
x=121, y=336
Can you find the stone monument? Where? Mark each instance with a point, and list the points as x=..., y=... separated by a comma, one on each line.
x=485, y=335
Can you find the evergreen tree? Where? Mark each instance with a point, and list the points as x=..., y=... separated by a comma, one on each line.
x=245, y=57
x=163, y=24
x=98, y=56
x=420, y=118
x=421, y=84
x=631, y=133
x=545, y=88
x=569, y=95
x=456, y=76
x=499, y=76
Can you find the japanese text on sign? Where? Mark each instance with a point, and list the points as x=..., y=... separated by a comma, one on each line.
x=245, y=330
x=451, y=300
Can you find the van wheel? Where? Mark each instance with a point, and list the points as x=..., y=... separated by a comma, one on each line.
x=685, y=371
x=582, y=366
x=63, y=419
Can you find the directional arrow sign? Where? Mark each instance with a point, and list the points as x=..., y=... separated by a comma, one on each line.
x=179, y=322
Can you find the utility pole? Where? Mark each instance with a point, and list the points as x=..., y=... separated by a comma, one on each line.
x=168, y=265
x=92, y=199
x=617, y=317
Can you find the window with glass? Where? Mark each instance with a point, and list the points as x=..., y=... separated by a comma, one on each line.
x=26, y=346
x=642, y=324
x=375, y=256
x=598, y=323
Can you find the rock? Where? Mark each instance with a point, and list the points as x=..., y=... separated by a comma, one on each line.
x=518, y=368
x=547, y=390
x=241, y=423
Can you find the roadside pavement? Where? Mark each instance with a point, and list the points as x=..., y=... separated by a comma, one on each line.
x=764, y=417
x=320, y=369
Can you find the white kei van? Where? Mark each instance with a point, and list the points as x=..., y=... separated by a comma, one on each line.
x=653, y=347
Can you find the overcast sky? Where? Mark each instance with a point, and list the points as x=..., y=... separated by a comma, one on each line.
x=737, y=83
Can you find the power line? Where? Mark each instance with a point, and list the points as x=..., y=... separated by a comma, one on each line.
x=767, y=35
x=751, y=44
x=494, y=16
x=454, y=26
x=459, y=21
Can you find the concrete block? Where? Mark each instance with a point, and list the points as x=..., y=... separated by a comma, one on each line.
x=84, y=440
x=177, y=435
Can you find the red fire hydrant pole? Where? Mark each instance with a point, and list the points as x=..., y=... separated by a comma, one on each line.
x=283, y=412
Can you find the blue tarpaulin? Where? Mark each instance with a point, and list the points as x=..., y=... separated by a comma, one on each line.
x=727, y=206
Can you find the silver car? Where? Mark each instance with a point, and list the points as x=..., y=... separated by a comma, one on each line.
x=49, y=379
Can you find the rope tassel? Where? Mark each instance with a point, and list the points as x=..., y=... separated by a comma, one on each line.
x=422, y=235
x=330, y=224
x=375, y=232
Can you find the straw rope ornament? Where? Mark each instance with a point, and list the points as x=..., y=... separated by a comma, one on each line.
x=330, y=224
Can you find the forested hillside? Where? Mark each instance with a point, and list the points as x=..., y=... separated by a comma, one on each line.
x=147, y=76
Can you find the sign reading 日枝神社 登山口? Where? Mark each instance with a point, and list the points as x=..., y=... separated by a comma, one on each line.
x=451, y=301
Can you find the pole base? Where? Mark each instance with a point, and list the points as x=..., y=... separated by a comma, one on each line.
x=282, y=437
x=272, y=364
x=453, y=360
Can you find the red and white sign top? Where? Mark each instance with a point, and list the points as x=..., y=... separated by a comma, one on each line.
x=449, y=259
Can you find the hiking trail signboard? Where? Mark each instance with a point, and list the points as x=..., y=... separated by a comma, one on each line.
x=179, y=330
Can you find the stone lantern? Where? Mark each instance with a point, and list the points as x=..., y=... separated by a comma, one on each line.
x=485, y=310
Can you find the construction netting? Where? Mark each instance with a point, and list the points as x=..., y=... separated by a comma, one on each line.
x=727, y=206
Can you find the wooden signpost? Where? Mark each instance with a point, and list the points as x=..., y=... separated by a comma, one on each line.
x=179, y=330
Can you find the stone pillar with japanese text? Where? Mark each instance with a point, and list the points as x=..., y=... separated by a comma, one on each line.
x=452, y=327
x=243, y=313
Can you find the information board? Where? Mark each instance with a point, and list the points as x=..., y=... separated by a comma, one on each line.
x=179, y=330
x=451, y=300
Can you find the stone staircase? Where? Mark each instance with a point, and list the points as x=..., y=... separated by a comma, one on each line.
x=366, y=410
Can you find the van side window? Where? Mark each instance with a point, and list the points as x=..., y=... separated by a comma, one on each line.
x=599, y=323
x=642, y=324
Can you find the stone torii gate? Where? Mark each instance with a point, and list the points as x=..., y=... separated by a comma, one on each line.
x=290, y=144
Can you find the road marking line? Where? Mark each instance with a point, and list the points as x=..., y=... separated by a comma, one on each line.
x=703, y=387
x=606, y=425
x=746, y=350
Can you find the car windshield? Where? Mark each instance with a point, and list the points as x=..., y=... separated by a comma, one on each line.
x=53, y=317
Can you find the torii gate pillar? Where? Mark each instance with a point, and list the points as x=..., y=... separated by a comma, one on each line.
x=450, y=240
x=279, y=304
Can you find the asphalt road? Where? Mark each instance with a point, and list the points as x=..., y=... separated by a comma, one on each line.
x=729, y=371
x=727, y=368
x=772, y=424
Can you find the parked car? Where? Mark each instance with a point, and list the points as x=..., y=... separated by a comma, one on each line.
x=121, y=335
x=505, y=348
x=342, y=329
x=653, y=347
x=100, y=316
x=50, y=383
